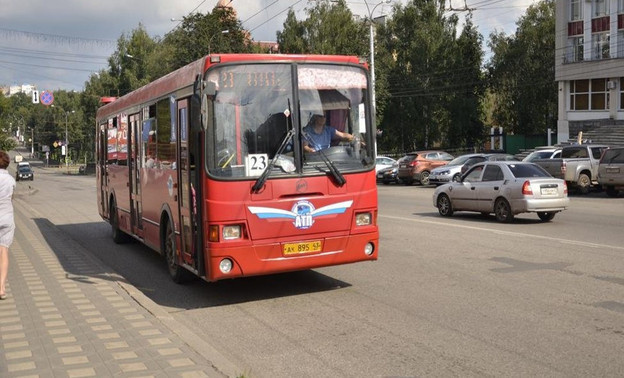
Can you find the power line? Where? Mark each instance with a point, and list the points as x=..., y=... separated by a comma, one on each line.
x=289, y=7
x=55, y=38
x=46, y=66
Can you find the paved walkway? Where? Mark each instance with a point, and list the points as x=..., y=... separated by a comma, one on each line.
x=87, y=323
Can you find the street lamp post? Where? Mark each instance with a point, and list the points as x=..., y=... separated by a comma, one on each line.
x=226, y=31
x=67, y=139
x=66, y=134
x=372, y=48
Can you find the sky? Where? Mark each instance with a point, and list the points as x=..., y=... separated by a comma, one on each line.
x=59, y=44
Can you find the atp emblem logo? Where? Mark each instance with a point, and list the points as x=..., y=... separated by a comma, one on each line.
x=303, y=219
x=302, y=213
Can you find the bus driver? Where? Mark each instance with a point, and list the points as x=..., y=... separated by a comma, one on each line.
x=319, y=136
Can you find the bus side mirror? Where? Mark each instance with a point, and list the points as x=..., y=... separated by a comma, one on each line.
x=210, y=88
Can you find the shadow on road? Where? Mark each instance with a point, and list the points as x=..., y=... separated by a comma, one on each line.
x=145, y=269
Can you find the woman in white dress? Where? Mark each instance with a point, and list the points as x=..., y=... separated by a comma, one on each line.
x=7, y=224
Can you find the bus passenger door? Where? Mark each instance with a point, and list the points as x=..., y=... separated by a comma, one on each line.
x=185, y=190
x=135, y=174
x=102, y=167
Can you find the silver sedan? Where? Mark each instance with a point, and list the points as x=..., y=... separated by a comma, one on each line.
x=505, y=188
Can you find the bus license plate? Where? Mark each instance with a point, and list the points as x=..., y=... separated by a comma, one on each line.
x=299, y=248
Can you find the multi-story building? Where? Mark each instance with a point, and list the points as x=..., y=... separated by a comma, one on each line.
x=14, y=89
x=589, y=65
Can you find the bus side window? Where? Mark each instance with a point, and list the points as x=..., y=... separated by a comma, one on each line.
x=165, y=136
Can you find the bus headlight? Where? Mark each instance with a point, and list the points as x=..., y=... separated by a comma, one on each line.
x=363, y=219
x=225, y=266
x=231, y=232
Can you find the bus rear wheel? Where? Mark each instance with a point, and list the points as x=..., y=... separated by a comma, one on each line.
x=178, y=274
x=119, y=237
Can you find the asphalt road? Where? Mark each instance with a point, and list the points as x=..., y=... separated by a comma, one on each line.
x=460, y=296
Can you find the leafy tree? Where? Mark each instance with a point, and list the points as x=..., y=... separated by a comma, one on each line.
x=330, y=28
x=422, y=61
x=130, y=64
x=292, y=38
x=199, y=33
x=6, y=142
x=465, y=127
x=522, y=73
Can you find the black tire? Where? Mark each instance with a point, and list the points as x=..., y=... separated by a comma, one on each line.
x=445, y=207
x=583, y=183
x=178, y=274
x=424, y=178
x=386, y=182
x=611, y=191
x=119, y=237
x=502, y=210
x=546, y=216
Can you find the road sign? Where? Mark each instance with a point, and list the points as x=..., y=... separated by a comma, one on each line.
x=47, y=98
x=35, y=97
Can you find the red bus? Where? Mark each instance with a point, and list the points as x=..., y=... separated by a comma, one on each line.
x=207, y=166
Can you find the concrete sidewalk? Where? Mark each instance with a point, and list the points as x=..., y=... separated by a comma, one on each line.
x=69, y=315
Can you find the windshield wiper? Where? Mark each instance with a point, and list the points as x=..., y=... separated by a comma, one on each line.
x=338, y=177
x=265, y=175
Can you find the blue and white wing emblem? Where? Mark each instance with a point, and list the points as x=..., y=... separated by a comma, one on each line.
x=271, y=213
x=302, y=213
x=336, y=208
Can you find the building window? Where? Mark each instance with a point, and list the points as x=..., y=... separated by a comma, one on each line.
x=599, y=94
x=600, y=45
x=621, y=93
x=589, y=94
x=579, y=95
x=600, y=8
x=620, y=6
x=575, y=50
x=576, y=10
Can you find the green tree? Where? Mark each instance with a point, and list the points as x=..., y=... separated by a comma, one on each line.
x=199, y=33
x=465, y=127
x=522, y=73
x=132, y=62
x=426, y=76
x=329, y=28
x=291, y=40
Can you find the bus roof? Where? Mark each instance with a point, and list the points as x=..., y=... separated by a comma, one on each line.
x=185, y=76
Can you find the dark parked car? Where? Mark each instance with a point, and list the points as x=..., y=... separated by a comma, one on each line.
x=24, y=172
x=389, y=175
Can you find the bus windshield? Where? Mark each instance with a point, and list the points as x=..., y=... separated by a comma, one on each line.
x=256, y=105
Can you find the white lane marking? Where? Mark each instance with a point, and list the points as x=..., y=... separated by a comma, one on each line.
x=508, y=233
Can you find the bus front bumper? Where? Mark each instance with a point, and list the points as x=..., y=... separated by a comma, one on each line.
x=279, y=257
